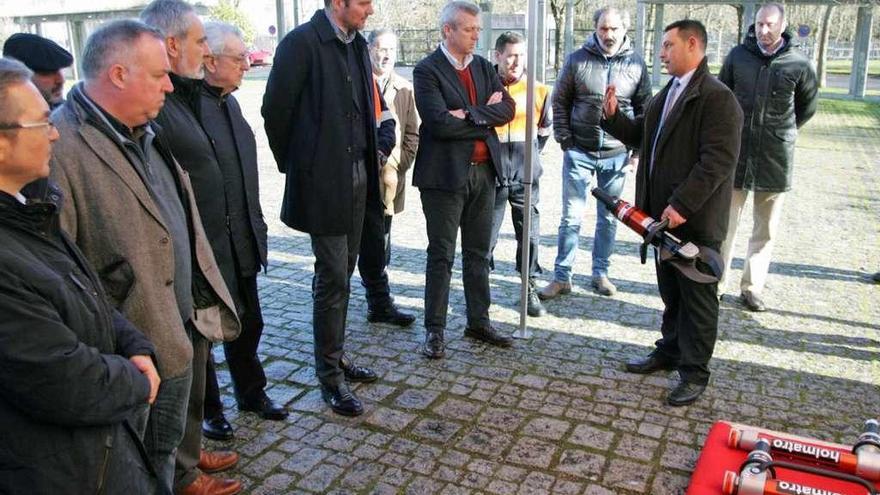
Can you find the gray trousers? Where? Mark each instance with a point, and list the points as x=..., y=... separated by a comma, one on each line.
x=471, y=210
x=185, y=470
x=335, y=259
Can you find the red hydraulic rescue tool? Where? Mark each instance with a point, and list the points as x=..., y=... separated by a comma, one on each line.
x=682, y=255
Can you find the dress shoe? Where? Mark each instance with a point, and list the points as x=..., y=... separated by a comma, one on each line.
x=217, y=428
x=390, y=314
x=554, y=289
x=603, y=286
x=342, y=400
x=489, y=335
x=265, y=407
x=209, y=485
x=684, y=393
x=752, y=301
x=654, y=362
x=533, y=303
x=214, y=462
x=434, y=347
x=355, y=373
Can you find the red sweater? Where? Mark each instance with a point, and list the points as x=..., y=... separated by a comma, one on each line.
x=481, y=150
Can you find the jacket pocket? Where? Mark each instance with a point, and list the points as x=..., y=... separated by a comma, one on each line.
x=118, y=279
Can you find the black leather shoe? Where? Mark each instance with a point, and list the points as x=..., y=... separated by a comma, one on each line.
x=342, y=400
x=489, y=335
x=752, y=302
x=534, y=307
x=390, y=314
x=217, y=428
x=434, y=347
x=265, y=407
x=684, y=393
x=654, y=362
x=355, y=373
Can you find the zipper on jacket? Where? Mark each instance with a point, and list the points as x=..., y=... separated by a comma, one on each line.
x=602, y=131
x=108, y=446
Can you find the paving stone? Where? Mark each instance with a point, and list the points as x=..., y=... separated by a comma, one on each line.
x=637, y=447
x=416, y=399
x=304, y=460
x=502, y=418
x=591, y=437
x=484, y=441
x=457, y=409
x=627, y=475
x=581, y=463
x=436, y=430
x=532, y=452
x=361, y=475
x=320, y=478
x=390, y=419
x=679, y=457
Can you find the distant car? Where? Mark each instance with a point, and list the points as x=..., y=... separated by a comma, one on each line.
x=259, y=57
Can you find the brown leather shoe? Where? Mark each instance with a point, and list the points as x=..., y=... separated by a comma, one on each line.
x=554, y=289
x=209, y=485
x=213, y=462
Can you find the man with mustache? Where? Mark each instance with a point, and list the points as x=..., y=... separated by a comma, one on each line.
x=607, y=58
x=46, y=59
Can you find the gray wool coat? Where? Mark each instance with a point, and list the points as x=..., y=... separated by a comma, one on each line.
x=111, y=216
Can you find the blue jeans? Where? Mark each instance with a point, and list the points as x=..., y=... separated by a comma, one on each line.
x=577, y=170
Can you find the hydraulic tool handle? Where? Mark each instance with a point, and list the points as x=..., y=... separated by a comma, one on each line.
x=607, y=199
x=869, y=437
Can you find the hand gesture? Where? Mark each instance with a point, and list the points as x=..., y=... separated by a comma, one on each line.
x=609, y=106
x=459, y=114
x=495, y=98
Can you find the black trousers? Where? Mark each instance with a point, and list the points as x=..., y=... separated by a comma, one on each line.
x=248, y=377
x=375, y=254
x=515, y=194
x=690, y=322
x=335, y=259
x=445, y=212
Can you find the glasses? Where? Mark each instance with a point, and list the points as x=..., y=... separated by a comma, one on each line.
x=238, y=59
x=28, y=125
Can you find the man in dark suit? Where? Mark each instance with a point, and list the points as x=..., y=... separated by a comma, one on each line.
x=321, y=110
x=689, y=142
x=460, y=99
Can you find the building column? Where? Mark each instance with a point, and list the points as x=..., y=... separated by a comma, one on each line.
x=861, y=50
x=658, y=42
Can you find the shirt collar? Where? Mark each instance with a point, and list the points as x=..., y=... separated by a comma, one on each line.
x=779, y=45
x=20, y=198
x=122, y=131
x=685, y=79
x=452, y=60
x=342, y=35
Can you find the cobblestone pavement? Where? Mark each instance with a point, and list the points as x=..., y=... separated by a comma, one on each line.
x=555, y=414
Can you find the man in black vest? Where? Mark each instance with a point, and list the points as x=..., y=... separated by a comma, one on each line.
x=328, y=146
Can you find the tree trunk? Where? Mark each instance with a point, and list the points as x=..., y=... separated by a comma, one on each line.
x=821, y=69
x=558, y=12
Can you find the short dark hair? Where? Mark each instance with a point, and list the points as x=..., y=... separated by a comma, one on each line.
x=12, y=73
x=112, y=43
x=690, y=27
x=508, y=38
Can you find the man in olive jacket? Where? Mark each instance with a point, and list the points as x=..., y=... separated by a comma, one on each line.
x=776, y=87
x=689, y=140
x=320, y=115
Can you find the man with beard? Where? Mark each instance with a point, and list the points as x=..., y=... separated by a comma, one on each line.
x=46, y=59
x=607, y=58
x=186, y=45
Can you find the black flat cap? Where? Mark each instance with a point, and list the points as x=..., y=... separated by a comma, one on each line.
x=38, y=53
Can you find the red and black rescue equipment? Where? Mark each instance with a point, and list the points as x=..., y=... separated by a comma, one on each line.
x=862, y=461
x=684, y=256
